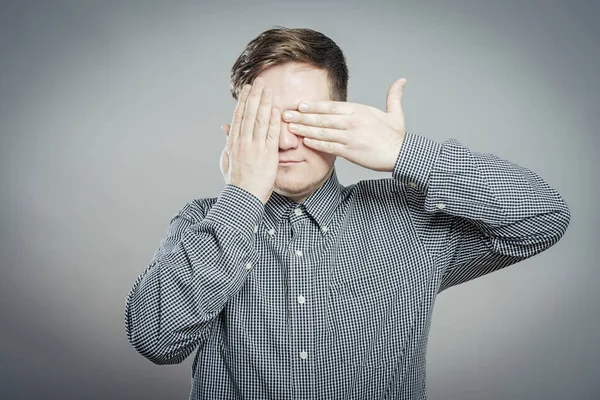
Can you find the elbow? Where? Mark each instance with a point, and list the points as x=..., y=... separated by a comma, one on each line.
x=552, y=228
x=154, y=350
x=559, y=222
x=534, y=235
x=150, y=344
x=159, y=355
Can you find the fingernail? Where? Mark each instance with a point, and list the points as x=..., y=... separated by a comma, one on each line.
x=293, y=127
x=303, y=107
x=288, y=115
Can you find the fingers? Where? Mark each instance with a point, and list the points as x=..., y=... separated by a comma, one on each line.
x=272, y=141
x=261, y=125
x=255, y=118
x=319, y=120
x=238, y=114
x=324, y=134
x=326, y=107
x=252, y=105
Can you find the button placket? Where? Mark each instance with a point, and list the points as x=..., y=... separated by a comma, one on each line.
x=300, y=267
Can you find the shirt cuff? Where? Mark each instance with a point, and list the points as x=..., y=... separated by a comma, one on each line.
x=416, y=160
x=238, y=209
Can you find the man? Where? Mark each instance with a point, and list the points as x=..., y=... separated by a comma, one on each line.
x=292, y=286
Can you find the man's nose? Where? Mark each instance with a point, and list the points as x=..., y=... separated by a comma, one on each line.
x=288, y=140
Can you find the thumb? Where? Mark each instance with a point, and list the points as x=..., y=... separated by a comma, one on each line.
x=394, y=97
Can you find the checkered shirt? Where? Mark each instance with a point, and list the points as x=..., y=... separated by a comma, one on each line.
x=332, y=298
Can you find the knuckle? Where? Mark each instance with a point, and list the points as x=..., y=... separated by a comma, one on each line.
x=255, y=92
x=265, y=100
x=236, y=143
x=239, y=149
x=259, y=123
x=247, y=123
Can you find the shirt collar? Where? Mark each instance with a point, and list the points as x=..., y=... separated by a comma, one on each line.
x=320, y=205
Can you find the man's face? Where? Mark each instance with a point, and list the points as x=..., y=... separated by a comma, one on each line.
x=292, y=83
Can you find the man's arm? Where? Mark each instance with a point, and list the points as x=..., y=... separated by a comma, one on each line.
x=201, y=263
x=205, y=257
x=501, y=212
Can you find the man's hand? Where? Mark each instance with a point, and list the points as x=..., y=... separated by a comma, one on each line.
x=361, y=134
x=251, y=156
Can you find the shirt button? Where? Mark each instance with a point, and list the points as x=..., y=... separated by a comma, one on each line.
x=299, y=253
x=303, y=355
x=441, y=206
x=301, y=299
x=271, y=231
x=298, y=211
x=324, y=229
x=249, y=266
x=412, y=184
x=255, y=228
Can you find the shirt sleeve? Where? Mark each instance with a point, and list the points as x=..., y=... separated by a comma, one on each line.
x=501, y=213
x=200, y=263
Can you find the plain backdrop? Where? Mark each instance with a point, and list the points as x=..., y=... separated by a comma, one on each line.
x=109, y=119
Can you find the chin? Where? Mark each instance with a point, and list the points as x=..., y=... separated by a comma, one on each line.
x=295, y=182
x=292, y=187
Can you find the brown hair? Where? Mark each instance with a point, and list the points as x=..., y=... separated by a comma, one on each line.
x=280, y=45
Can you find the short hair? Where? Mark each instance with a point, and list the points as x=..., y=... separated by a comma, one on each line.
x=280, y=45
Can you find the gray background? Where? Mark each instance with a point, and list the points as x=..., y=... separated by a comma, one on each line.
x=110, y=115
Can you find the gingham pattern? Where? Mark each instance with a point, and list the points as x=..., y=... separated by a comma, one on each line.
x=333, y=298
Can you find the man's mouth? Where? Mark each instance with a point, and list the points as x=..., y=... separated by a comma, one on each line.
x=289, y=162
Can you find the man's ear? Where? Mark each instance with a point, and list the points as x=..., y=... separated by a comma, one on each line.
x=225, y=128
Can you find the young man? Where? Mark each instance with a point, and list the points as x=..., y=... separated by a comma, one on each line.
x=292, y=286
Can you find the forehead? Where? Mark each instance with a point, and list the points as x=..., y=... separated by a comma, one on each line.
x=293, y=82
